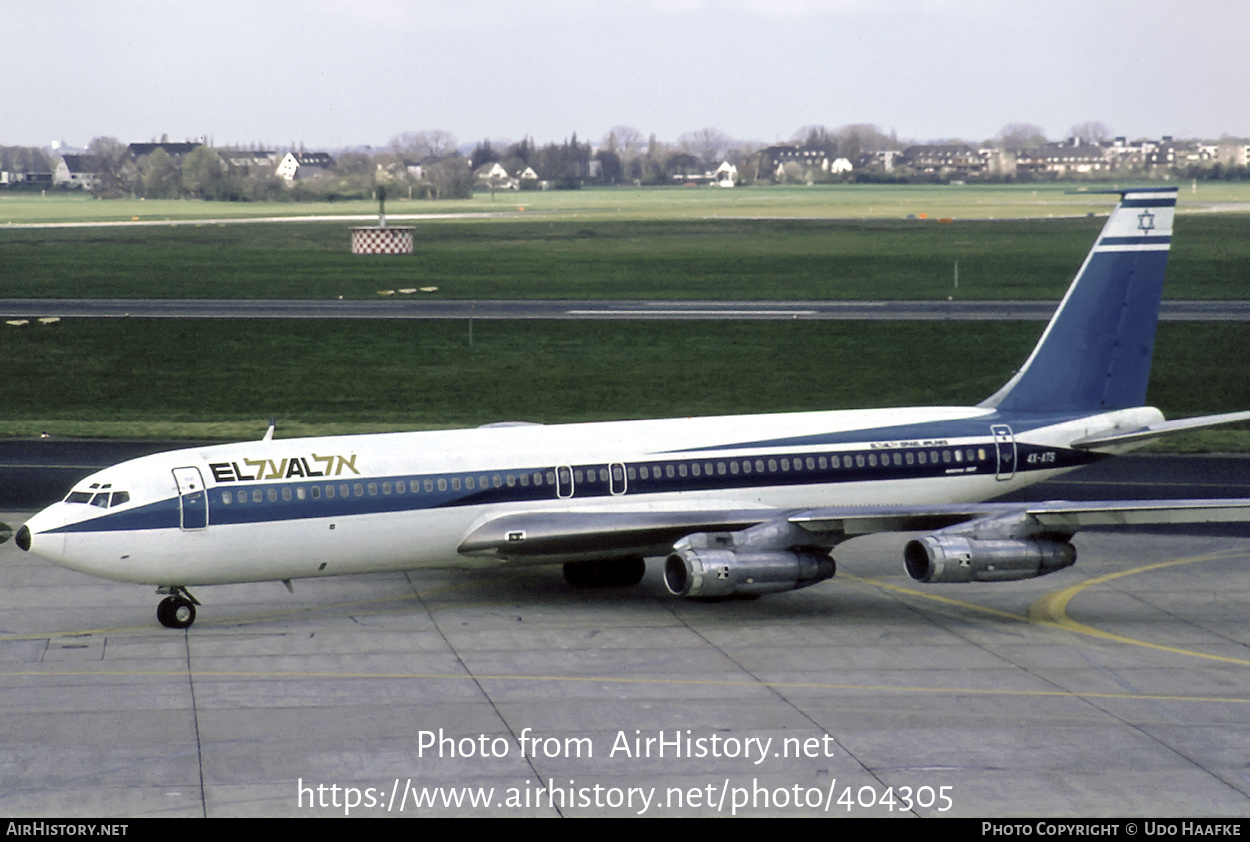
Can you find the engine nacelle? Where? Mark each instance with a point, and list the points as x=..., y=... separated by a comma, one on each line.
x=955, y=558
x=706, y=572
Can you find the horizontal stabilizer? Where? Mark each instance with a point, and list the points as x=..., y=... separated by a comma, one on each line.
x=1161, y=429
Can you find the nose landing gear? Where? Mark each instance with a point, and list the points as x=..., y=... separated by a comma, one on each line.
x=176, y=611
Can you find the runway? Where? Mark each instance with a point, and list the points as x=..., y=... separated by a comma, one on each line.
x=1119, y=687
x=401, y=306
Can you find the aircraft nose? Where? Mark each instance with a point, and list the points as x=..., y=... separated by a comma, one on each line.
x=23, y=537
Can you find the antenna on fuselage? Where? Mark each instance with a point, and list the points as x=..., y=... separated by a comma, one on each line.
x=273, y=425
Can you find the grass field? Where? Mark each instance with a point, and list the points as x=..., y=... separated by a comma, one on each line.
x=694, y=259
x=221, y=379
x=824, y=201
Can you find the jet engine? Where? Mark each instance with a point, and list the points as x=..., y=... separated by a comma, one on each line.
x=960, y=558
x=759, y=560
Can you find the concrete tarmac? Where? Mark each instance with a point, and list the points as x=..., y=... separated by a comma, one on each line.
x=1118, y=687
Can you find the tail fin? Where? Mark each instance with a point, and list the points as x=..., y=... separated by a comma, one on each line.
x=1095, y=353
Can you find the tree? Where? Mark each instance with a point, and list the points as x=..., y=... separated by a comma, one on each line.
x=1091, y=133
x=708, y=145
x=204, y=174
x=160, y=175
x=421, y=146
x=1020, y=136
x=450, y=178
x=118, y=174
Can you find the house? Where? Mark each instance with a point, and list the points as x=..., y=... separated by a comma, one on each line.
x=248, y=161
x=726, y=175
x=78, y=172
x=303, y=165
x=177, y=151
x=945, y=160
x=1071, y=157
x=494, y=177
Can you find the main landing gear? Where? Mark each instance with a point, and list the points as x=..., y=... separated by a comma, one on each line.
x=598, y=574
x=176, y=611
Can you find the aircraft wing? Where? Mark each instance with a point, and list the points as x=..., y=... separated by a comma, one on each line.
x=753, y=551
x=545, y=537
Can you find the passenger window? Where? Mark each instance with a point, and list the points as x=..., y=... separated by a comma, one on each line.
x=316, y=492
x=681, y=469
x=272, y=495
x=668, y=471
x=733, y=467
x=811, y=464
x=386, y=487
x=286, y=493
x=455, y=484
x=442, y=484
x=329, y=492
x=227, y=497
x=772, y=465
x=429, y=484
x=343, y=491
x=359, y=489
x=468, y=483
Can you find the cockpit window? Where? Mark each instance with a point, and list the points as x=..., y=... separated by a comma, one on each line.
x=103, y=499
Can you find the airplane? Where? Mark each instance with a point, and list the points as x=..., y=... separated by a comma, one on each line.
x=736, y=506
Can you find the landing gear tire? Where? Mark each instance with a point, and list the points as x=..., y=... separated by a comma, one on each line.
x=599, y=574
x=175, y=612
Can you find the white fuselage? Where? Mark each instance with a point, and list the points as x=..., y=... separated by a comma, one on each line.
x=293, y=508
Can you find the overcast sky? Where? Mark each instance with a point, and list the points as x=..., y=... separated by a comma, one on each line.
x=332, y=73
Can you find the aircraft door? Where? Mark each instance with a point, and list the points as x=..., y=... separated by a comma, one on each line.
x=192, y=498
x=1005, y=445
x=564, y=482
x=616, y=478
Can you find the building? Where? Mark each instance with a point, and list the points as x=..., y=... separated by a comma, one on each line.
x=303, y=165
x=78, y=172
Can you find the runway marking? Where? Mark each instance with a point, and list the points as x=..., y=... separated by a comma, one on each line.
x=683, y=312
x=1051, y=610
x=581, y=679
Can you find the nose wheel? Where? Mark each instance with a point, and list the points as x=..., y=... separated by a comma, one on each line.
x=176, y=611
